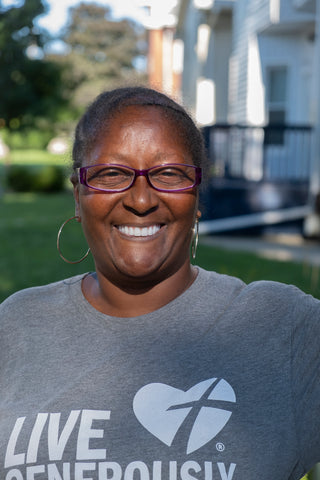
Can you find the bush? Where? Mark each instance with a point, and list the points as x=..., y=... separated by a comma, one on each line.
x=26, y=139
x=48, y=178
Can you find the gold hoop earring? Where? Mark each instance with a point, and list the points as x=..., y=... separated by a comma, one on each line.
x=195, y=238
x=58, y=243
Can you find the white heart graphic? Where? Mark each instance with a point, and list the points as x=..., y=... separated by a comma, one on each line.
x=162, y=409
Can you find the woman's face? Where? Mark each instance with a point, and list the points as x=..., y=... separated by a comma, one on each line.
x=138, y=137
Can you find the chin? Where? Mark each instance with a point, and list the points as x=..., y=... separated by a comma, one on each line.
x=151, y=273
x=140, y=273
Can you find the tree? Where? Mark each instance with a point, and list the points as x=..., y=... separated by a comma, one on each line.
x=100, y=52
x=30, y=87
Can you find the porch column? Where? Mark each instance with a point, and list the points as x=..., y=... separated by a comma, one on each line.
x=312, y=223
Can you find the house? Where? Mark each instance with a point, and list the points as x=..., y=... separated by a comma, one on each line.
x=165, y=55
x=249, y=72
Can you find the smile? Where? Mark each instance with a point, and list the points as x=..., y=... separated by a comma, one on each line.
x=139, y=231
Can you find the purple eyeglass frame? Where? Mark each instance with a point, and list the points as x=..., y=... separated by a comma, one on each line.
x=82, y=176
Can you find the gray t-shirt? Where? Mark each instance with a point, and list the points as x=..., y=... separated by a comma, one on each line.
x=220, y=384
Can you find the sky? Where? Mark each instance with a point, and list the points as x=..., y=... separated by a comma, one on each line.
x=57, y=15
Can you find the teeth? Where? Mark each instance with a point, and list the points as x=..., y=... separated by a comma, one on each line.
x=139, y=232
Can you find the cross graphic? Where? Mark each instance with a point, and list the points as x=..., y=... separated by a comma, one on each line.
x=195, y=407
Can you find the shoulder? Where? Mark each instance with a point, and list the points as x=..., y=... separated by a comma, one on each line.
x=228, y=284
x=264, y=294
x=272, y=290
x=278, y=294
x=218, y=281
x=36, y=298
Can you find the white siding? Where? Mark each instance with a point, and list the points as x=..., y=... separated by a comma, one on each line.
x=263, y=34
x=213, y=67
x=290, y=14
x=238, y=81
x=191, y=67
x=294, y=52
x=290, y=47
x=220, y=56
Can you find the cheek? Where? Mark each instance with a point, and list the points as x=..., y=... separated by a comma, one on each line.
x=185, y=208
x=184, y=219
x=93, y=210
x=95, y=204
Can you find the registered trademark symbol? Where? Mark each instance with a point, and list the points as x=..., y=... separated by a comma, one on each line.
x=220, y=447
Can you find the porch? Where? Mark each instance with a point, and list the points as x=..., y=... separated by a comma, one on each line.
x=258, y=176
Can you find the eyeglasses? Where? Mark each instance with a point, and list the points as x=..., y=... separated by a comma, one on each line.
x=174, y=177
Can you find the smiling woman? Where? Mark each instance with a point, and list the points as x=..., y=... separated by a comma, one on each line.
x=150, y=368
x=140, y=230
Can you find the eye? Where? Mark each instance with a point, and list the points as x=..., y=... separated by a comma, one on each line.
x=173, y=176
x=108, y=176
x=169, y=172
x=105, y=172
x=170, y=176
x=111, y=172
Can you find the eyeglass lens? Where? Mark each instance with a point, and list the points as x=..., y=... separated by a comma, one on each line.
x=168, y=177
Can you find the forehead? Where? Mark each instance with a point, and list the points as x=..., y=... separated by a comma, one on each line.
x=139, y=114
x=139, y=125
x=141, y=136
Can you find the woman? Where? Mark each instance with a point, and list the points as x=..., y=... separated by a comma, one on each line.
x=151, y=368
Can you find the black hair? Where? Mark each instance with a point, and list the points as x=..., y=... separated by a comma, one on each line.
x=95, y=121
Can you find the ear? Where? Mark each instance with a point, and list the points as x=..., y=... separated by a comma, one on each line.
x=199, y=214
x=76, y=199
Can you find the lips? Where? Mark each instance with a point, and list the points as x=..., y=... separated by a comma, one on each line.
x=131, y=231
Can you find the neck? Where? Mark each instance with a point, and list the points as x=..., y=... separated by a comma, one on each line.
x=139, y=299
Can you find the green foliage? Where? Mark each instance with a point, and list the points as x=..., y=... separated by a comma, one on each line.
x=48, y=92
x=31, y=138
x=100, y=53
x=47, y=178
x=19, y=178
x=17, y=29
x=30, y=86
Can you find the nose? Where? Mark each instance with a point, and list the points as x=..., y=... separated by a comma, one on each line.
x=141, y=198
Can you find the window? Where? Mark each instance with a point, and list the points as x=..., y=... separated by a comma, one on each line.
x=276, y=105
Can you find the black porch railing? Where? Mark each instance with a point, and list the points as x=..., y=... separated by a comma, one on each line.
x=257, y=175
x=269, y=153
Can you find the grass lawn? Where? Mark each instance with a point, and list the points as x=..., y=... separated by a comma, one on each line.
x=35, y=157
x=28, y=228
